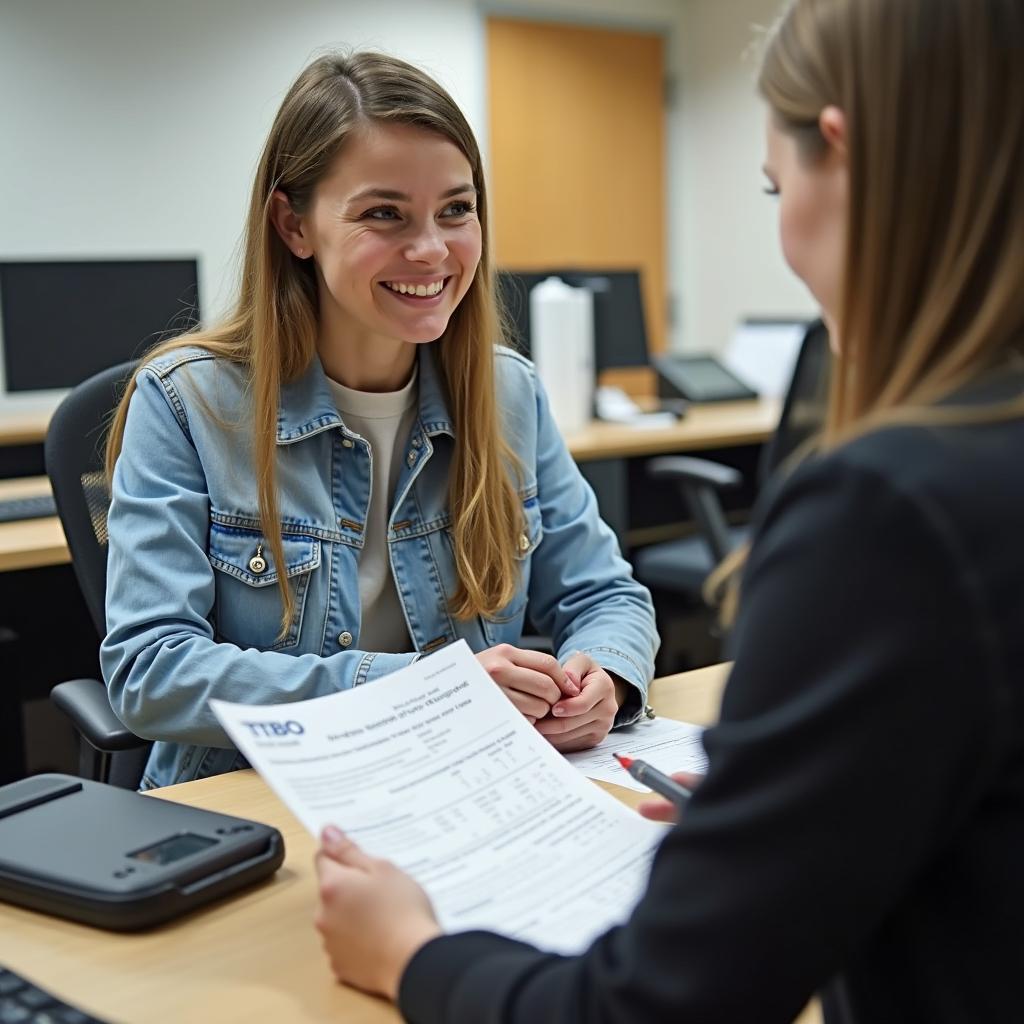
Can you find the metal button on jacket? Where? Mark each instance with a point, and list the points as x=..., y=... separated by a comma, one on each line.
x=347, y=442
x=524, y=542
x=258, y=564
x=345, y=639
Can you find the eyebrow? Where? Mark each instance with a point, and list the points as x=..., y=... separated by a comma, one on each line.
x=402, y=197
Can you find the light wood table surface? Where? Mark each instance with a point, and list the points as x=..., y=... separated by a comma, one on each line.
x=711, y=425
x=255, y=957
x=30, y=543
x=25, y=426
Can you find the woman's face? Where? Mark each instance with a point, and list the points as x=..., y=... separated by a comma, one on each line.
x=813, y=196
x=394, y=231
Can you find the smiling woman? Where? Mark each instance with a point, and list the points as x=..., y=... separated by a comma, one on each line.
x=350, y=471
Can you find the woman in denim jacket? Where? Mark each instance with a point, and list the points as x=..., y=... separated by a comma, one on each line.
x=347, y=473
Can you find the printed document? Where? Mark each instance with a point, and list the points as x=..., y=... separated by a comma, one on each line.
x=664, y=744
x=433, y=768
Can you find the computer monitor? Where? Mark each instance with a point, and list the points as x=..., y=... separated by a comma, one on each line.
x=620, y=331
x=63, y=321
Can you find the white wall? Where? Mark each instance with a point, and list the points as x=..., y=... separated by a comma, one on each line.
x=132, y=127
x=730, y=265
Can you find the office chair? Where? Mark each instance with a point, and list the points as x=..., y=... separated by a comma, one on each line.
x=108, y=751
x=675, y=570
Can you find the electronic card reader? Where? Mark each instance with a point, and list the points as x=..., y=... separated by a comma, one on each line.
x=120, y=860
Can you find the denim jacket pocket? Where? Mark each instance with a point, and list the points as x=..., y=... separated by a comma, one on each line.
x=500, y=627
x=248, y=606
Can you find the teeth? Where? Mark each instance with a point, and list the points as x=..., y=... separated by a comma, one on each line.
x=421, y=290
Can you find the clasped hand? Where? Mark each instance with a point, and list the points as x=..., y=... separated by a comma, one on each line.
x=572, y=705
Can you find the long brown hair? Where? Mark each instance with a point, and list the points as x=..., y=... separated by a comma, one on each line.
x=932, y=292
x=932, y=91
x=272, y=331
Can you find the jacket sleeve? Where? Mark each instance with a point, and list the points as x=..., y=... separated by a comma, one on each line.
x=845, y=757
x=582, y=590
x=159, y=658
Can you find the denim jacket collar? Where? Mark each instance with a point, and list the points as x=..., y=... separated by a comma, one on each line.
x=307, y=405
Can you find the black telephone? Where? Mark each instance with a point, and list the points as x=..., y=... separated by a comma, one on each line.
x=698, y=378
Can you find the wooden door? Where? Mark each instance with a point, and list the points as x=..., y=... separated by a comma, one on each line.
x=577, y=152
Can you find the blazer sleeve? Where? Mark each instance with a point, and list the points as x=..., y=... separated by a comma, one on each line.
x=847, y=752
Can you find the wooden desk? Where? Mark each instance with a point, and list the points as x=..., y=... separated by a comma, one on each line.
x=713, y=425
x=24, y=427
x=255, y=957
x=30, y=543
x=600, y=449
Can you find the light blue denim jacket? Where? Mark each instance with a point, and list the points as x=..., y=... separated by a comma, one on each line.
x=188, y=619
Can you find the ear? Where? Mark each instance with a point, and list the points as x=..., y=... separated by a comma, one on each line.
x=832, y=125
x=289, y=225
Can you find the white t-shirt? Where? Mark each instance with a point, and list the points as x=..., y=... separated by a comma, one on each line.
x=385, y=420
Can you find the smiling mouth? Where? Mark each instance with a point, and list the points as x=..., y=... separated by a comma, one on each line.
x=417, y=290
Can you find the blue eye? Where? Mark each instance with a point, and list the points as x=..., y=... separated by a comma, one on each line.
x=458, y=209
x=382, y=213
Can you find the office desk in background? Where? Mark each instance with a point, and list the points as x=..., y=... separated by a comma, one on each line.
x=30, y=543
x=601, y=450
x=254, y=958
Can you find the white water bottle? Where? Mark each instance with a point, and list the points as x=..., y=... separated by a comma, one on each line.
x=562, y=348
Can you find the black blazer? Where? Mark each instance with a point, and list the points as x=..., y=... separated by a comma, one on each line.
x=860, y=831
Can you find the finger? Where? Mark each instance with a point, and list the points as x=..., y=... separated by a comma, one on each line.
x=336, y=845
x=528, y=681
x=578, y=739
x=580, y=664
x=546, y=664
x=659, y=810
x=586, y=701
x=563, y=726
x=691, y=780
x=531, y=707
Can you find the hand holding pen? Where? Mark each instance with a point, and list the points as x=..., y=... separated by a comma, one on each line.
x=676, y=788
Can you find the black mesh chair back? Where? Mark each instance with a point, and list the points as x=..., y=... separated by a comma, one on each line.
x=74, y=453
x=806, y=402
x=74, y=464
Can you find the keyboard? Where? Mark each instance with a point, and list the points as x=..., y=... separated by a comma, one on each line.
x=21, y=1002
x=38, y=506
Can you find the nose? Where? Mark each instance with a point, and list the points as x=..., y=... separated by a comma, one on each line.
x=427, y=246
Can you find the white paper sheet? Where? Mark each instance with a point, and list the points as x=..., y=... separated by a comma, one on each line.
x=434, y=768
x=667, y=745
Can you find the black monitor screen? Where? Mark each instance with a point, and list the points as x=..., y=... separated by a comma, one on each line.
x=620, y=332
x=63, y=322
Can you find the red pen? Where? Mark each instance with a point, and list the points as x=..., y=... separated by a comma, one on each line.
x=661, y=783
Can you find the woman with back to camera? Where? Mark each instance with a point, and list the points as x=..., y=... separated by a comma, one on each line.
x=860, y=830
x=347, y=472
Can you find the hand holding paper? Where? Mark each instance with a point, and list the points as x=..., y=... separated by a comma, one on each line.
x=434, y=769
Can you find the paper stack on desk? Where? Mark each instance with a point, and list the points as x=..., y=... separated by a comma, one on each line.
x=433, y=768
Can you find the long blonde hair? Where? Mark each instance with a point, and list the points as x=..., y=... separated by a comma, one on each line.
x=272, y=331
x=932, y=292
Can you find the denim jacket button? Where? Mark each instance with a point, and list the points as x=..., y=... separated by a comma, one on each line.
x=347, y=442
x=411, y=458
x=258, y=564
x=345, y=639
x=524, y=542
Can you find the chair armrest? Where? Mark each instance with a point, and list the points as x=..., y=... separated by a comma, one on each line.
x=684, y=469
x=700, y=481
x=85, y=702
